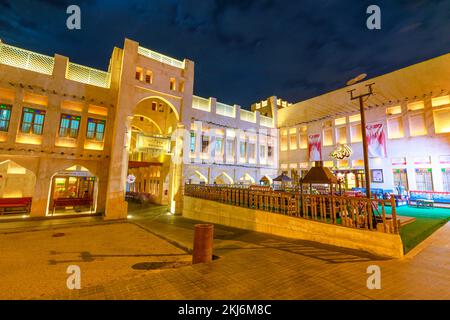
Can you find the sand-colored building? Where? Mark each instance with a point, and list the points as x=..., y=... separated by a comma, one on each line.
x=71, y=134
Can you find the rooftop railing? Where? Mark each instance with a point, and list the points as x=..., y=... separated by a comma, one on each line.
x=248, y=116
x=24, y=59
x=160, y=57
x=266, y=121
x=225, y=110
x=200, y=103
x=88, y=75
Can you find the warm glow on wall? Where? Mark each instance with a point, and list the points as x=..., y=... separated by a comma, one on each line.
x=440, y=101
x=394, y=110
x=442, y=120
x=29, y=97
x=72, y=105
x=340, y=121
x=415, y=106
x=92, y=145
x=7, y=94
x=65, y=143
x=357, y=163
x=101, y=111
x=29, y=139
x=395, y=128
x=417, y=125
x=354, y=118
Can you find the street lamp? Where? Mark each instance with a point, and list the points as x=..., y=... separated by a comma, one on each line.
x=363, y=124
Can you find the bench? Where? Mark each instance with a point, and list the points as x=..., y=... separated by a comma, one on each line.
x=72, y=202
x=439, y=198
x=15, y=205
x=424, y=203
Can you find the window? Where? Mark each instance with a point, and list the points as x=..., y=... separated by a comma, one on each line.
x=446, y=179
x=95, y=129
x=32, y=121
x=424, y=180
x=205, y=144
x=230, y=149
x=394, y=110
x=440, y=101
x=192, y=142
x=442, y=120
x=219, y=146
x=148, y=76
x=154, y=106
x=356, y=134
x=354, y=118
x=400, y=178
x=417, y=124
x=181, y=86
x=251, y=151
x=293, y=139
x=395, y=127
x=303, y=142
x=69, y=126
x=138, y=74
x=269, y=151
x=340, y=121
x=262, y=152
x=173, y=84
x=242, y=149
x=341, y=135
x=327, y=137
x=283, y=140
x=5, y=116
x=413, y=106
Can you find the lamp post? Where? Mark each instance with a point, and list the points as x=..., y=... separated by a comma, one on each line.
x=363, y=127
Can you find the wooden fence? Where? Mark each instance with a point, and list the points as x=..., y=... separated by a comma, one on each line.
x=353, y=212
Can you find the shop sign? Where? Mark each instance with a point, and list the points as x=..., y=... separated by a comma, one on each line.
x=152, y=142
x=398, y=161
x=422, y=160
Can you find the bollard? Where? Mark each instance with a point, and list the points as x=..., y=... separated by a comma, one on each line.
x=203, y=243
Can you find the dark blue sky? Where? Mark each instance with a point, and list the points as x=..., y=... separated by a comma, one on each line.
x=244, y=50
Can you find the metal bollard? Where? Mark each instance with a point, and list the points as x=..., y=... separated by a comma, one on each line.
x=203, y=243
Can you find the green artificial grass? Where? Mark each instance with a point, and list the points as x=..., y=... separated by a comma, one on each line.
x=428, y=220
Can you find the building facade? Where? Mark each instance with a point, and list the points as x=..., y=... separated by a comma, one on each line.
x=412, y=105
x=71, y=133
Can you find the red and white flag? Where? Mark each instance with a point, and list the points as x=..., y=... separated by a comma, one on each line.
x=314, y=147
x=376, y=140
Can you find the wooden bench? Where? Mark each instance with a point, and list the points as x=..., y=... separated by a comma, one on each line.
x=15, y=205
x=425, y=203
x=72, y=202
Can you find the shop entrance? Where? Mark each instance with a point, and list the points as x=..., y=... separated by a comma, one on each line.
x=73, y=190
x=351, y=178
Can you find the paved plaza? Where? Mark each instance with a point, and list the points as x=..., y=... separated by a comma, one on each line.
x=250, y=265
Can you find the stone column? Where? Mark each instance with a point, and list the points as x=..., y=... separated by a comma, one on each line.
x=40, y=198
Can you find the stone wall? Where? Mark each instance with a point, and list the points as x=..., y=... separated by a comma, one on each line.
x=378, y=243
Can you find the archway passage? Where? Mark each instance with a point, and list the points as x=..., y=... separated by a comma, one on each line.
x=197, y=178
x=247, y=179
x=16, y=188
x=149, y=151
x=73, y=190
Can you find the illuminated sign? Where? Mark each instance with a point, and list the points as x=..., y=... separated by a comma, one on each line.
x=341, y=152
x=153, y=142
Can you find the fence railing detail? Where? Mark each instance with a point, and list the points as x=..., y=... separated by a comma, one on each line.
x=352, y=212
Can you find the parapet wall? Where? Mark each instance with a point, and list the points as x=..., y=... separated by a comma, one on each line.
x=378, y=243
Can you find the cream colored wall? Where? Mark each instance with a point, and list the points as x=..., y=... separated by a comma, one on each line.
x=378, y=243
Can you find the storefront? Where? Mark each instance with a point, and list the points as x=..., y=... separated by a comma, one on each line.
x=351, y=178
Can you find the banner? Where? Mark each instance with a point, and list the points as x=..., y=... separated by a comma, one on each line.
x=376, y=140
x=314, y=147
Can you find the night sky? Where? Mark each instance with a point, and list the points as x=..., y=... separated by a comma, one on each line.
x=244, y=50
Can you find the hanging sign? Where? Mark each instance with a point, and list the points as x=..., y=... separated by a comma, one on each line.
x=343, y=151
x=314, y=147
x=376, y=140
x=153, y=142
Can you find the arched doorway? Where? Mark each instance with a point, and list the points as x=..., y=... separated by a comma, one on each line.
x=223, y=178
x=73, y=190
x=246, y=179
x=17, y=185
x=197, y=178
x=150, y=148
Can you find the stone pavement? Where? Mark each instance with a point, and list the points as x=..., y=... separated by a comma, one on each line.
x=252, y=265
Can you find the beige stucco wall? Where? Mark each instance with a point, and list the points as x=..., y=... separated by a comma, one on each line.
x=382, y=244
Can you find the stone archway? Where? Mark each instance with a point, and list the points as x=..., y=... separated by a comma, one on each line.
x=223, y=178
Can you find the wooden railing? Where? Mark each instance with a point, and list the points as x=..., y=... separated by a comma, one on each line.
x=353, y=212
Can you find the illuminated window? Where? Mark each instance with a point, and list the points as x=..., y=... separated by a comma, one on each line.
x=205, y=144
x=413, y=106
x=442, y=120
x=173, y=84
x=354, y=118
x=357, y=163
x=32, y=121
x=69, y=126
x=394, y=110
x=395, y=127
x=283, y=140
x=148, y=76
x=341, y=135
x=293, y=139
x=417, y=125
x=355, y=132
x=139, y=74
x=5, y=115
x=95, y=129
x=424, y=180
x=181, y=86
x=440, y=101
x=242, y=149
x=154, y=106
x=327, y=137
x=340, y=121
x=219, y=146
x=328, y=164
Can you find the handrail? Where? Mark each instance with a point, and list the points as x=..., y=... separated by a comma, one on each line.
x=25, y=59
x=160, y=57
x=353, y=212
x=88, y=75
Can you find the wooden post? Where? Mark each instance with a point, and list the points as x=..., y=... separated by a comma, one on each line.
x=394, y=214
